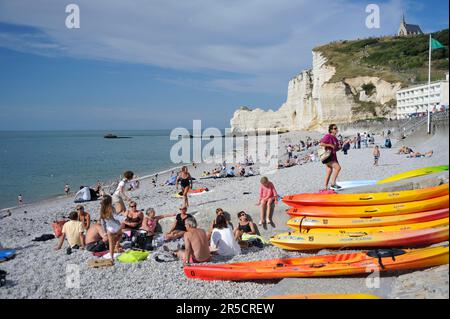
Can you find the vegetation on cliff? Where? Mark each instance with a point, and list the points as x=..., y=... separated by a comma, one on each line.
x=393, y=59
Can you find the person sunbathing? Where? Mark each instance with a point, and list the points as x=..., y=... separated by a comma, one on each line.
x=245, y=226
x=418, y=154
x=219, y=212
x=84, y=217
x=178, y=228
x=74, y=232
x=196, y=244
x=150, y=222
x=222, y=241
x=96, y=239
x=134, y=218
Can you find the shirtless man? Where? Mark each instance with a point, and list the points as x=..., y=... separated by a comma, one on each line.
x=96, y=239
x=84, y=217
x=196, y=244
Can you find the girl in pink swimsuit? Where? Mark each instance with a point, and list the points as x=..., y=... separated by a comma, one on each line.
x=151, y=220
x=267, y=199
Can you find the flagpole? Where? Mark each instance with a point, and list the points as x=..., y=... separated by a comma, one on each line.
x=429, y=87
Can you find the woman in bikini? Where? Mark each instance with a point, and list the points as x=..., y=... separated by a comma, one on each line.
x=133, y=217
x=185, y=180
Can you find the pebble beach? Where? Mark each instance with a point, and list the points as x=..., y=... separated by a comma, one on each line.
x=38, y=271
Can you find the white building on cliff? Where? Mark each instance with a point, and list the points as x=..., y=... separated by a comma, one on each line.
x=413, y=100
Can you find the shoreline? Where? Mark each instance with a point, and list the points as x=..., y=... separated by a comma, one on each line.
x=40, y=272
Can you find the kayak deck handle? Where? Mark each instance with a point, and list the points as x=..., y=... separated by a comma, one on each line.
x=366, y=198
x=370, y=210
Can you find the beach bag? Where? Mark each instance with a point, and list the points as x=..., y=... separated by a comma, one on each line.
x=133, y=256
x=57, y=227
x=323, y=153
x=143, y=241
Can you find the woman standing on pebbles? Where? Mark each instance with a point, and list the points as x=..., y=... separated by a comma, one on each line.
x=330, y=142
x=185, y=180
x=119, y=194
x=111, y=223
x=267, y=199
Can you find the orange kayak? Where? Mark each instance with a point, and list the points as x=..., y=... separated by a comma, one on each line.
x=323, y=266
x=372, y=211
x=325, y=296
x=365, y=199
x=305, y=222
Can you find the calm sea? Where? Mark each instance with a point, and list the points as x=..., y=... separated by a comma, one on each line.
x=39, y=164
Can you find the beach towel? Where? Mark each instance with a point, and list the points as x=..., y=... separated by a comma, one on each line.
x=97, y=263
x=133, y=256
x=108, y=255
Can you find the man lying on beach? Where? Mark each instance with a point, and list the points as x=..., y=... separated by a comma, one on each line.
x=196, y=244
x=418, y=154
x=178, y=228
x=74, y=232
x=96, y=239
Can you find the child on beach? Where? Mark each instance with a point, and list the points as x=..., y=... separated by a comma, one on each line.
x=19, y=200
x=111, y=223
x=83, y=217
x=119, y=194
x=67, y=189
x=267, y=199
x=74, y=232
x=151, y=221
x=376, y=155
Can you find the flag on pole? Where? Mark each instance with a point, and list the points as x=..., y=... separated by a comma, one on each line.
x=435, y=44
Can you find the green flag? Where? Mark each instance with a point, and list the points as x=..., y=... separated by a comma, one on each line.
x=435, y=44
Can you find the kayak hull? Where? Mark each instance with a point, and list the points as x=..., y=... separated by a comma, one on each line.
x=305, y=222
x=300, y=200
x=414, y=173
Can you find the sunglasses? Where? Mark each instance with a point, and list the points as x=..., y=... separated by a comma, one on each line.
x=133, y=206
x=334, y=128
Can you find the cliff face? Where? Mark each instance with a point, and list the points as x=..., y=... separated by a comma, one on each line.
x=313, y=102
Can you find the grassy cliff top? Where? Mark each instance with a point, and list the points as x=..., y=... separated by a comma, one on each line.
x=394, y=59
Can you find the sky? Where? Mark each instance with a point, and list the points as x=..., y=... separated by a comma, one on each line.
x=159, y=64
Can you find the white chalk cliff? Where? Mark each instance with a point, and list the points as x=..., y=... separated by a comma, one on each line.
x=313, y=102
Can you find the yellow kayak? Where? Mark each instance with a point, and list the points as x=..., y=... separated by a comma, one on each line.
x=306, y=222
x=414, y=173
x=379, y=229
x=404, y=238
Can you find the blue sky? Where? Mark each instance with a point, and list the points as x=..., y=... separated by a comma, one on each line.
x=162, y=63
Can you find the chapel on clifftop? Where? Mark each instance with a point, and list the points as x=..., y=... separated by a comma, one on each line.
x=408, y=29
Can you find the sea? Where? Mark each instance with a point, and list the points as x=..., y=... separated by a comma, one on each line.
x=37, y=165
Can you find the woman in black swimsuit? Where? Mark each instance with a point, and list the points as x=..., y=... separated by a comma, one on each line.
x=178, y=228
x=244, y=227
x=185, y=180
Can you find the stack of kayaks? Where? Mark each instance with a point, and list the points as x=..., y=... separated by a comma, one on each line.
x=385, y=222
x=409, y=218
